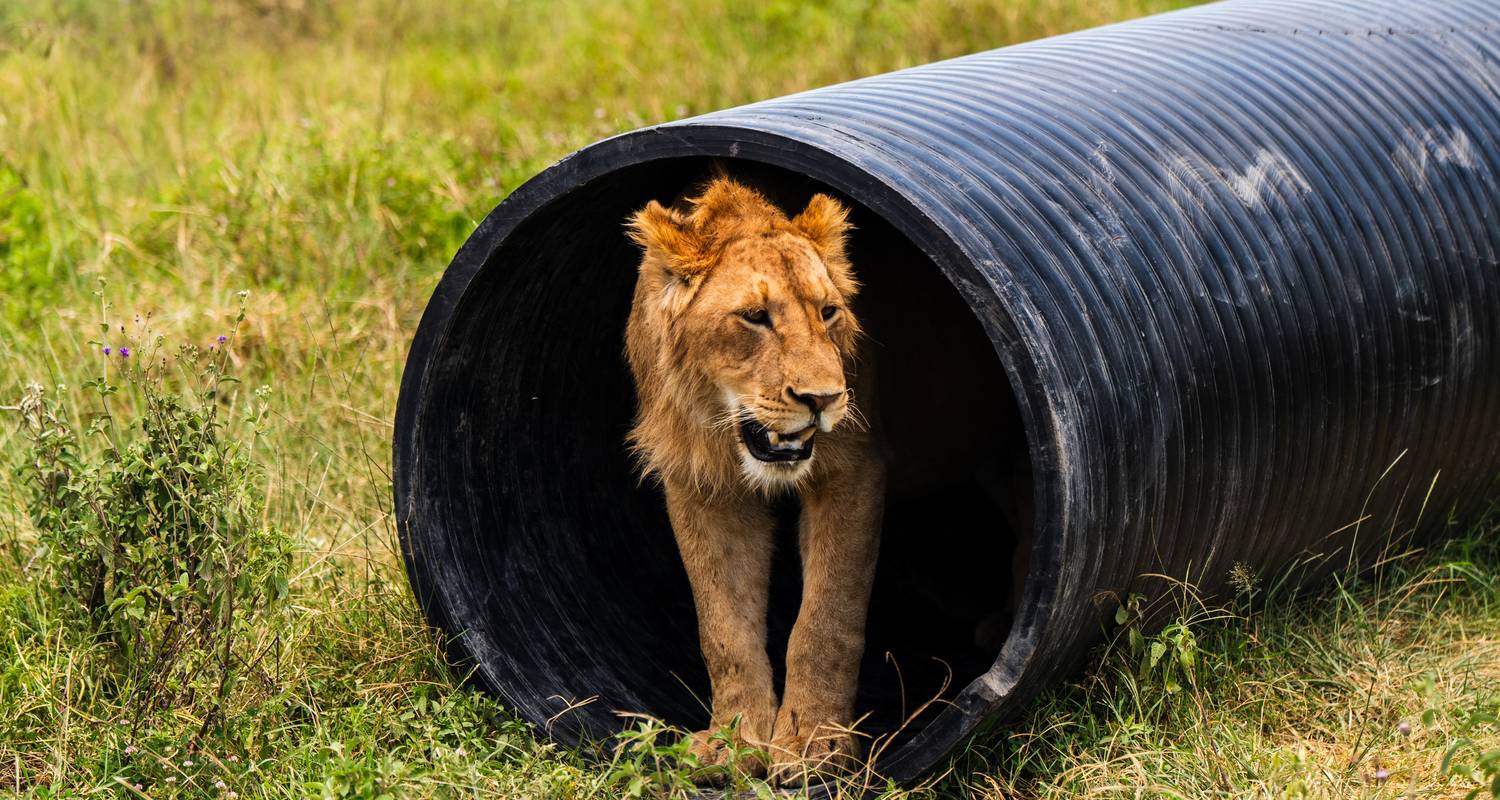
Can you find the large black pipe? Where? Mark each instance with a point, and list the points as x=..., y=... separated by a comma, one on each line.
x=1237, y=268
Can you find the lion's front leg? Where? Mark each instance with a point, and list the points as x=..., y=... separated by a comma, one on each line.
x=726, y=548
x=840, y=542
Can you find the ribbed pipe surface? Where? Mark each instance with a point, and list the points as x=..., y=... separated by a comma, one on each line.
x=1239, y=263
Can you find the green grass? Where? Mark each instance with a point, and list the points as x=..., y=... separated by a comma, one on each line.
x=1286, y=697
x=329, y=158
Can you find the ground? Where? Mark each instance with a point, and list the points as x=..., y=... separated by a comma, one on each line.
x=328, y=158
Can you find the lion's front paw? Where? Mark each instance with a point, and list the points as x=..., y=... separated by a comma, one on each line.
x=723, y=753
x=801, y=757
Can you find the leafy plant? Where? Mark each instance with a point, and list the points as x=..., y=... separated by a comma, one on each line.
x=151, y=536
x=1169, y=657
x=653, y=760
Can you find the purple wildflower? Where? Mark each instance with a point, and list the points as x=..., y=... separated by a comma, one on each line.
x=106, y=349
x=223, y=338
x=124, y=352
x=1404, y=728
x=1381, y=774
x=129, y=749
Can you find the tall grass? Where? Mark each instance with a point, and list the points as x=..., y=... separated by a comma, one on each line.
x=329, y=158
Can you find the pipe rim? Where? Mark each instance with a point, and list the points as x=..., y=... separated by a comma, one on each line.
x=1011, y=679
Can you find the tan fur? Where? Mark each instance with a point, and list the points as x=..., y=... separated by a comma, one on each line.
x=700, y=368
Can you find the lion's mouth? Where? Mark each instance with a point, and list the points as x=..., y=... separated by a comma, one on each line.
x=768, y=445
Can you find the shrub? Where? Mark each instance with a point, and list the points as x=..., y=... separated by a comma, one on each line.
x=150, y=535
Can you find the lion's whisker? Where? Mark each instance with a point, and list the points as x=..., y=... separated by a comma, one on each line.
x=732, y=416
x=856, y=417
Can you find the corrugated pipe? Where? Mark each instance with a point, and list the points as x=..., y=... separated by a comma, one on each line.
x=1224, y=282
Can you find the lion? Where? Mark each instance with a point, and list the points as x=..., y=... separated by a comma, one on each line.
x=746, y=356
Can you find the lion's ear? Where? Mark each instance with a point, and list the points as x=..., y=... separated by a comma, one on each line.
x=826, y=222
x=669, y=236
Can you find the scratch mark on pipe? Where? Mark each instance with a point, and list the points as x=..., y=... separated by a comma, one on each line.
x=1269, y=170
x=1270, y=174
x=1421, y=148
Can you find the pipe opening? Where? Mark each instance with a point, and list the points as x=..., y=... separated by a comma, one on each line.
x=555, y=567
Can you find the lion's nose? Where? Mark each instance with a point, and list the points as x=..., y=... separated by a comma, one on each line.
x=815, y=401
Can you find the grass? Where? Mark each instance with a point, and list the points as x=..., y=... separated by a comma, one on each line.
x=329, y=158
x=1362, y=690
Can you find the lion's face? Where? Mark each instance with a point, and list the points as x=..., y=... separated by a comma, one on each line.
x=756, y=312
x=766, y=327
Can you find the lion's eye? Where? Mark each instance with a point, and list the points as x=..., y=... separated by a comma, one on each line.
x=756, y=316
x=829, y=312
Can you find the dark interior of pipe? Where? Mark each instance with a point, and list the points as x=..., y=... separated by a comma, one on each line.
x=562, y=563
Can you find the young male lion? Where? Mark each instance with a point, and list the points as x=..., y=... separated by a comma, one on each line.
x=744, y=348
